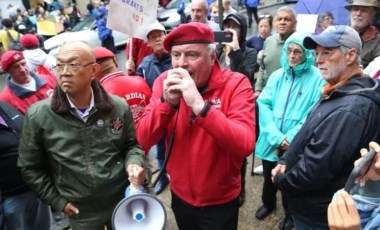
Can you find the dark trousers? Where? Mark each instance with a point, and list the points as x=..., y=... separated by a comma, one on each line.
x=221, y=217
x=109, y=44
x=250, y=11
x=1, y=213
x=269, y=190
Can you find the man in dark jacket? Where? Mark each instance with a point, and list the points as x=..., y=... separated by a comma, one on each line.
x=321, y=156
x=20, y=207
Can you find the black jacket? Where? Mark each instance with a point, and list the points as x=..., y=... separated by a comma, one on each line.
x=243, y=60
x=11, y=182
x=321, y=156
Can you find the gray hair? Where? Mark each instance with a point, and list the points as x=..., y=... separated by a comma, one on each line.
x=323, y=15
x=211, y=48
x=345, y=50
x=288, y=10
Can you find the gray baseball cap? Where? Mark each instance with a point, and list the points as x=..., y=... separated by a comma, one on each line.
x=335, y=36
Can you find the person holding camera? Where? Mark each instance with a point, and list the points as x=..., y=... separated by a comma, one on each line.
x=359, y=209
x=208, y=115
x=237, y=57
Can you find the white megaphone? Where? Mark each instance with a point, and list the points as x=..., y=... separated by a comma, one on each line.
x=139, y=210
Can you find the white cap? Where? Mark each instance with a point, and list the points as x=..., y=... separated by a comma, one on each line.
x=154, y=26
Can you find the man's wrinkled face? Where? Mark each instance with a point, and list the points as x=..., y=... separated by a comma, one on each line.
x=196, y=59
x=19, y=72
x=331, y=63
x=156, y=40
x=285, y=23
x=361, y=17
x=76, y=70
x=198, y=12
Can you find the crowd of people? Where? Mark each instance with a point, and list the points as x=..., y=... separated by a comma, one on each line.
x=75, y=130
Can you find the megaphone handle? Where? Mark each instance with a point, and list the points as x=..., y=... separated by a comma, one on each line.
x=167, y=155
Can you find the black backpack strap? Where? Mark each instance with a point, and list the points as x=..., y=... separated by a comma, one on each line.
x=10, y=36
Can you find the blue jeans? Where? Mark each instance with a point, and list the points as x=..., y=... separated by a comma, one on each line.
x=26, y=212
x=369, y=211
x=301, y=225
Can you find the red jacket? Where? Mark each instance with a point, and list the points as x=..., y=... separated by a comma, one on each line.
x=204, y=166
x=21, y=98
x=134, y=90
x=140, y=50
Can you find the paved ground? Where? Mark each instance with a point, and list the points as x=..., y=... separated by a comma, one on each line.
x=247, y=220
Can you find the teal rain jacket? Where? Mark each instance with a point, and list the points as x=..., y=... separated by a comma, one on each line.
x=286, y=100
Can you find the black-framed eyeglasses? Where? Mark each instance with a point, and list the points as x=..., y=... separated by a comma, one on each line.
x=60, y=67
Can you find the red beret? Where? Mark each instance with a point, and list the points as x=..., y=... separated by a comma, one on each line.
x=190, y=33
x=9, y=58
x=29, y=41
x=101, y=53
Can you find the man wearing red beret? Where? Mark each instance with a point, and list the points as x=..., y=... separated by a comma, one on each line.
x=134, y=90
x=208, y=114
x=23, y=88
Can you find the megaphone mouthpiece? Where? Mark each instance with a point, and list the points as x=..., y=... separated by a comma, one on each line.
x=138, y=210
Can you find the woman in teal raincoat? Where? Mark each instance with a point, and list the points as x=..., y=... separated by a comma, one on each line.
x=285, y=102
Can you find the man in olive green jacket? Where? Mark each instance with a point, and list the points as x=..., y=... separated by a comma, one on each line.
x=78, y=149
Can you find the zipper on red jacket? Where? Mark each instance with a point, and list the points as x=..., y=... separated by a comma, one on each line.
x=192, y=118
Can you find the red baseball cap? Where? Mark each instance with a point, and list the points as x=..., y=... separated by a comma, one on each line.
x=10, y=57
x=189, y=33
x=29, y=41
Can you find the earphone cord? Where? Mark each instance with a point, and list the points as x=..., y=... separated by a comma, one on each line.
x=167, y=155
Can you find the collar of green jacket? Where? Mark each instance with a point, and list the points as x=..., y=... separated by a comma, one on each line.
x=103, y=102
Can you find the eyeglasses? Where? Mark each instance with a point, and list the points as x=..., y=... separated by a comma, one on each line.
x=60, y=67
x=296, y=52
x=265, y=16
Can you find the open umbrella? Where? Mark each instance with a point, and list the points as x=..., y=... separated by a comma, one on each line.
x=336, y=7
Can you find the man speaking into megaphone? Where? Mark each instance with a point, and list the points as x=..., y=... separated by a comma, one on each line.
x=208, y=116
x=78, y=150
